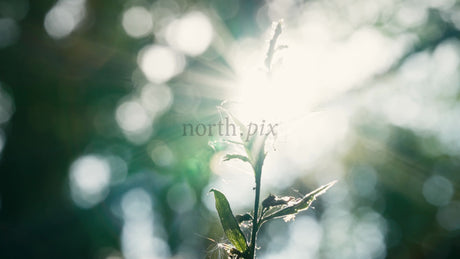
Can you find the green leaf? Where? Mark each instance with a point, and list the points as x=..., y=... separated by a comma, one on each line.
x=244, y=217
x=236, y=156
x=273, y=200
x=229, y=223
x=299, y=205
x=258, y=147
x=253, y=145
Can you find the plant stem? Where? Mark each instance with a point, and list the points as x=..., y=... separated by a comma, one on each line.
x=255, y=221
x=258, y=165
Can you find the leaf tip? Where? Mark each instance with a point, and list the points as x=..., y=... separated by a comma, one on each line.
x=329, y=185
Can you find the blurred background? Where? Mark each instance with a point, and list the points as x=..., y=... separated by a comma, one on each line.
x=94, y=95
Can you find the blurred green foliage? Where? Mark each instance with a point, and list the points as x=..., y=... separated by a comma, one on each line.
x=66, y=93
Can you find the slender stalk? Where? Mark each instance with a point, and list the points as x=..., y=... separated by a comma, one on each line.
x=255, y=221
x=258, y=165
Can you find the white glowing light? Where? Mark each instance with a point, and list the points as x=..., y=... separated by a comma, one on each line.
x=89, y=180
x=191, y=34
x=64, y=17
x=139, y=242
x=156, y=98
x=362, y=237
x=136, y=204
x=313, y=71
x=411, y=16
x=90, y=174
x=132, y=117
x=298, y=245
x=160, y=63
x=138, y=239
x=137, y=22
x=233, y=175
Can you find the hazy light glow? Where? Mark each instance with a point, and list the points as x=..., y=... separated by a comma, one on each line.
x=412, y=15
x=314, y=137
x=232, y=175
x=279, y=9
x=353, y=236
x=438, y=190
x=426, y=84
x=137, y=22
x=300, y=244
x=190, y=34
x=156, y=99
x=449, y=216
x=313, y=71
x=160, y=63
x=261, y=99
x=305, y=78
x=136, y=204
x=181, y=198
x=118, y=168
x=89, y=180
x=302, y=94
x=138, y=242
x=64, y=17
x=132, y=117
x=364, y=179
x=138, y=237
x=162, y=155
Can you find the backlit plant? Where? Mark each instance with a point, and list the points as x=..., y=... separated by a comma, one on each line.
x=272, y=207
